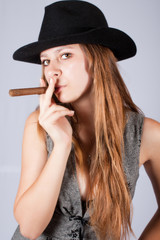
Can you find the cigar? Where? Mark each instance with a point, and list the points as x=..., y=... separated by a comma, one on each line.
x=27, y=91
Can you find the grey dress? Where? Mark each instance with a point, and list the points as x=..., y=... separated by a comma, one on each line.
x=70, y=220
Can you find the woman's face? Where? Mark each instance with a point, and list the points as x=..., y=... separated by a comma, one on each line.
x=68, y=66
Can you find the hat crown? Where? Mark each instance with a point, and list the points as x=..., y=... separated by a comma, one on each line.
x=70, y=17
x=76, y=22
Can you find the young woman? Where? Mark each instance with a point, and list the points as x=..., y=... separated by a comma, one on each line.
x=83, y=146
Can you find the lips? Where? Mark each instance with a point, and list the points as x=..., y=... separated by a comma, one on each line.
x=58, y=89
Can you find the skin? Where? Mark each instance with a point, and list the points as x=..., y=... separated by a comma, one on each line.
x=150, y=158
x=67, y=66
x=71, y=70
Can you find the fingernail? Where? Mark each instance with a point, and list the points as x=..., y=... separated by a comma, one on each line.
x=51, y=80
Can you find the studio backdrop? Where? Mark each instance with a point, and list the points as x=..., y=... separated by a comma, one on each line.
x=20, y=24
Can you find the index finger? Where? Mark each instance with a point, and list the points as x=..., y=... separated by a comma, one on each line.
x=49, y=92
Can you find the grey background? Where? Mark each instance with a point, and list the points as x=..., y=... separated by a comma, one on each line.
x=19, y=25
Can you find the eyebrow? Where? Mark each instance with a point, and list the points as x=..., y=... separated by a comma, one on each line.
x=57, y=51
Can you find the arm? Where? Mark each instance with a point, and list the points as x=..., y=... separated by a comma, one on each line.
x=150, y=153
x=41, y=179
x=40, y=182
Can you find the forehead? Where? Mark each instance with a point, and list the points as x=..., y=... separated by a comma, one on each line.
x=58, y=49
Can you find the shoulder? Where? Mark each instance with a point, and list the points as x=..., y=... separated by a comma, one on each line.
x=150, y=153
x=150, y=140
x=33, y=117
x=33, y=132
x=151, y=128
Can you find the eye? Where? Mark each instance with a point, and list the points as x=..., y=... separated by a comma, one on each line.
x=45, y=62
x=66, y=55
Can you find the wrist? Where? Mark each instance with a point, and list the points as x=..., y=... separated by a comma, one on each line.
x=61, y=151
x=63, y=146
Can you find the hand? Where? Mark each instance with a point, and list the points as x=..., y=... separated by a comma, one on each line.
x=52, y=116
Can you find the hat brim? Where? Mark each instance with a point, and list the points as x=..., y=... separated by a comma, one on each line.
x=119, y=42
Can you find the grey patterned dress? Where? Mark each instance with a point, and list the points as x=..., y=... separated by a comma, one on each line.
x=70, y=220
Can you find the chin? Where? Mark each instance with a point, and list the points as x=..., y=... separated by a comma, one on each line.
x=63, y=99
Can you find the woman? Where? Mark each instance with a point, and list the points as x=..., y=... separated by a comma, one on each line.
x=83, y=146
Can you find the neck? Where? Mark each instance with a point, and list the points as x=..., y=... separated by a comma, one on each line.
x=85, y=128
x=84, y=109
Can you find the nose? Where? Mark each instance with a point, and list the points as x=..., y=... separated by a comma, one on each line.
x=53, y=71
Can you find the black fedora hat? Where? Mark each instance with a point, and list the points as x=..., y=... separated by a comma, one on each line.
x=69, y=22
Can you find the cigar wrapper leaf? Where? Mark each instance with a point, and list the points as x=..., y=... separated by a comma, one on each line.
x=27, y=91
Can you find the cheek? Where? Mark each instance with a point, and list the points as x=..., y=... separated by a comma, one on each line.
x=45, y=75
x=78, y=75
x=79, y=83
